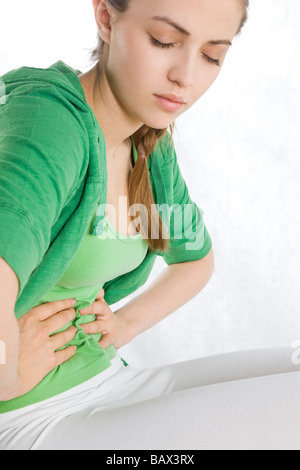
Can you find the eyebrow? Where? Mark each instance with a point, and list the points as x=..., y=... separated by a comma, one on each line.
x=179, y=28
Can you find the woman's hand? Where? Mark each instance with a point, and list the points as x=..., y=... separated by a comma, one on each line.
x=37, y=356
x=112, y=326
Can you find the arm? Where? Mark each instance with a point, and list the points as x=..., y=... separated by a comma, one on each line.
x=190, y=263
x=30, y=348
x=41, y=161
x=9, y=331
x=175, y=286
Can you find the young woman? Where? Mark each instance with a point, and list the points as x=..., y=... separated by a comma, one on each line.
x=79, y=153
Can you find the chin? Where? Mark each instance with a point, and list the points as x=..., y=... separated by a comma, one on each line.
x=159, y=123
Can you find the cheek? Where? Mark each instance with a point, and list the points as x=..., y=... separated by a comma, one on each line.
x=129, y=63
x=130, y=49
x=206, y=77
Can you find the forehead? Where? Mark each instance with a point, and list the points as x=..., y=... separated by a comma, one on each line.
x=213, y=17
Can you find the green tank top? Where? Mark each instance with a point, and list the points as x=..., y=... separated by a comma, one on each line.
x=99, y=259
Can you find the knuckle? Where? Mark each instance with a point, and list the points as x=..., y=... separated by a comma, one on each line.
x=33, y=311
x=49, y=346
x=51, y=361
x=72, y=313
x=73, y=330
x=42, y=331
x=68, y=315
x=70, y=334
x=69, y=352
x=49, y=350
x=28, y=320
x=52, y=306
x=64, y=338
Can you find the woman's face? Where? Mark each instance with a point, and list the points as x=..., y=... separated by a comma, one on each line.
x=148, y=57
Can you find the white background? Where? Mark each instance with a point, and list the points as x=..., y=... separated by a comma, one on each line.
x=239, y=152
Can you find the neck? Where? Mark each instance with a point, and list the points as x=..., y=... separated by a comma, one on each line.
x=117, y=126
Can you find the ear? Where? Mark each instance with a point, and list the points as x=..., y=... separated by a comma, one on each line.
x=103, y=19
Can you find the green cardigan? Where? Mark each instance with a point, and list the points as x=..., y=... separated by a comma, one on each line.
x=52, y=174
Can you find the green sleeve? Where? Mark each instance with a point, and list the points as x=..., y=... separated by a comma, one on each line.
x=40, y=159
x=189, y=237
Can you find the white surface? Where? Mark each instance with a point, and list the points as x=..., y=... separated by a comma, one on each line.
x=238, y=149
x=237, y=401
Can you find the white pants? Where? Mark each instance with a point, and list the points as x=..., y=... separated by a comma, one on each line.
x=242, y=401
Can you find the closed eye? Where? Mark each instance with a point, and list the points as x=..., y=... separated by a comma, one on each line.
x=157, y=43
x=162, y=45
x=212, y=61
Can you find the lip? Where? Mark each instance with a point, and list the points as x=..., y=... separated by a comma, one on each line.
x=170, y=102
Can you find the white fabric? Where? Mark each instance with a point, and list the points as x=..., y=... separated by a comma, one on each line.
x=245, y=400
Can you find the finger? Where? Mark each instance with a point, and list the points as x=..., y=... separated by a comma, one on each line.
x=106, y=341
x=59, y=320
x=64, y=355
x=94, y=327
x=48, y=309
x=96, y=308
x=59, y=340
x=100, y=295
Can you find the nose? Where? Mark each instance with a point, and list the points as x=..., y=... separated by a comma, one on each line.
x=183, y=71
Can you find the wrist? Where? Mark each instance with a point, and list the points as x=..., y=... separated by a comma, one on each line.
x=129, y=330
x=11, y=390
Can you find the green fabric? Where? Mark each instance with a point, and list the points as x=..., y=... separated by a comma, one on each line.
x=135, y=154
x=98, y=259
x=53, y=176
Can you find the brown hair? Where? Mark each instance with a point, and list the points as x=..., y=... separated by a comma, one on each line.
x=146, y=138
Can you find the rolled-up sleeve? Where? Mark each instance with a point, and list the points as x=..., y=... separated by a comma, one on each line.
x=189, y=237
x=40, y=148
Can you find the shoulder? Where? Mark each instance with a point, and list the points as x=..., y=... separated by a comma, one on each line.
x=52, y=95
x=41, y=113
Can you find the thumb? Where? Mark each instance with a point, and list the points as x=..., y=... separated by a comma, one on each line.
x=100, y=294
x=105, y=341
